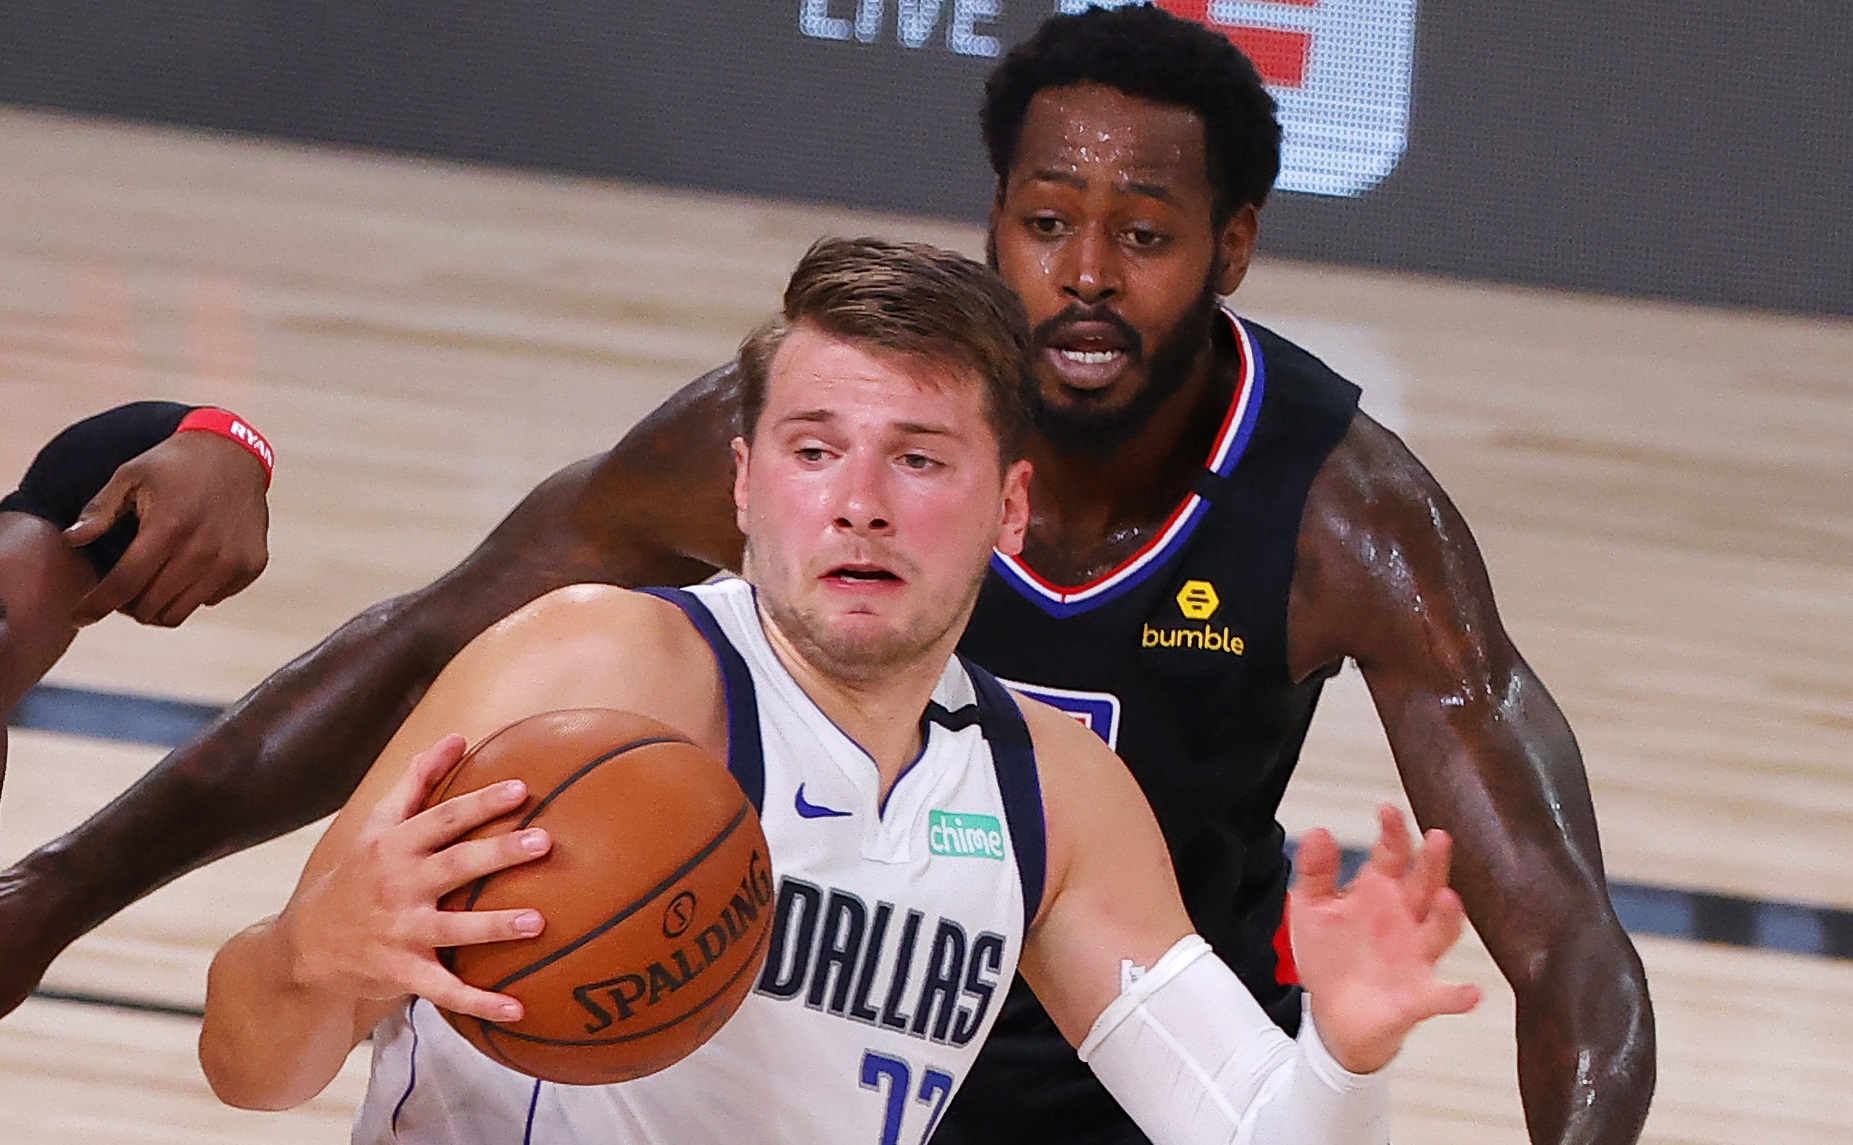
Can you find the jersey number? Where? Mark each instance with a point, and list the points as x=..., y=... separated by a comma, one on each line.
x=879, y=1070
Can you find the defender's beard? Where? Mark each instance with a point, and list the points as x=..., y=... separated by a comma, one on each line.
x=1083, y=426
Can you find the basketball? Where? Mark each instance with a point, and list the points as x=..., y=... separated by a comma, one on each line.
x=657, y=897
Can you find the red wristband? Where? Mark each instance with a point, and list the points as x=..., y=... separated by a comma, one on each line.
x=230, y=425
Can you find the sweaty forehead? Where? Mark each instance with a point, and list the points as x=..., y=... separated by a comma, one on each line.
x=1094, y=132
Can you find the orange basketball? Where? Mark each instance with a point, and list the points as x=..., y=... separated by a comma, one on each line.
x=657, y=895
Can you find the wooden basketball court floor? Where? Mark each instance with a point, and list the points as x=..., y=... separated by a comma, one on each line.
x=1664, y=494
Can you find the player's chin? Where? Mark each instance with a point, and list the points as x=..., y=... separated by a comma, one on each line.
x=881, y=632
x=1091, y=409
x=862, y=630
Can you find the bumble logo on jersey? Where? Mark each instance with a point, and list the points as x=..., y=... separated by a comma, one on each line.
x=930, y=981
x=1197, y=600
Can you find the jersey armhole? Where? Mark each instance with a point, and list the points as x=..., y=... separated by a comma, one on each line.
x=1013, y=756
x=745, y=754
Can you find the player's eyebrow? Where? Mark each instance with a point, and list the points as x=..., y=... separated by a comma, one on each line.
x=1158, y=191
x=1150, y=190
x=908, y=428
x=809, y=417
x=921, y=429
x=1057, y=175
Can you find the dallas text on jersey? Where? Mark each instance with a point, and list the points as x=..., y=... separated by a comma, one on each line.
x=820, y=938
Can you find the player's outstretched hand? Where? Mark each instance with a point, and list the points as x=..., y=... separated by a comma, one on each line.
x=370, y=926
x=203, y=519
x=1367, y=953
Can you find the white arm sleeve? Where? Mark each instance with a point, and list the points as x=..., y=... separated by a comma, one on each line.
x=1189, y=1053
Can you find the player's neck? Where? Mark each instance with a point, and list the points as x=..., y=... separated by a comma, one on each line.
x=880, y=711
x=1082, y=499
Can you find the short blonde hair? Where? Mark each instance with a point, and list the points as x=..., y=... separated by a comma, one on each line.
x=908, y=299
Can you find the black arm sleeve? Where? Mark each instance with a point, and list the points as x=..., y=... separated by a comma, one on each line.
x=74, y=466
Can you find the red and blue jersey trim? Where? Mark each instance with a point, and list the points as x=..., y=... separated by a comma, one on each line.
x=1238, y=426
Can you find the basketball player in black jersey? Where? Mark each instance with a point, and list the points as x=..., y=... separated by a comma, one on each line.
x=1215, y=529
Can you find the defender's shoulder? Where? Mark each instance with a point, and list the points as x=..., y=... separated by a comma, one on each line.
x=660, y=501
x=705, y=410
x=1371, y=473
x=1295, y=375
x=1386, y=568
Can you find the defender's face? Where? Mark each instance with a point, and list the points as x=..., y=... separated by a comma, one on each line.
x=1105, y=228
x=871, y=496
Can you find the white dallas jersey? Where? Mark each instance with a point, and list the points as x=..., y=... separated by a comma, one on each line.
x=896, y=935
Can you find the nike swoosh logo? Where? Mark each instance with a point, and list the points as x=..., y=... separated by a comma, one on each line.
x=809, y=810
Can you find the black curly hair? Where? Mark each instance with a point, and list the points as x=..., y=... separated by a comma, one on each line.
x=1145, y=51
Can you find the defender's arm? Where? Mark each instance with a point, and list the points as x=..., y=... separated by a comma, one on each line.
x=40, y=582
x=1388, y=574
x=656, y=509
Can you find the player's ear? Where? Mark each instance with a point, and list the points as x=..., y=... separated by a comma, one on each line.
x=1235, y=247
x=1015, y=521
x=742, y=453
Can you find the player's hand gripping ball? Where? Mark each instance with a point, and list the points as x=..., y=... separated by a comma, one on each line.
x=657, y=895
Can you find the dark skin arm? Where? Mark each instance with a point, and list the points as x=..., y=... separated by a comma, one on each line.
x=1389, y=575
x=41, y=581
x=657, y=509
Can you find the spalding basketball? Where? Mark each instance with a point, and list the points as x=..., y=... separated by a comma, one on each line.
x=657, y=895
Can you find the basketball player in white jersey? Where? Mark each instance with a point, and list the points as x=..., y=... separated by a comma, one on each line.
x=930, y=835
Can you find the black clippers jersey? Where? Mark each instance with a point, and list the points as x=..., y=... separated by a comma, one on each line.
x=1178, y=659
